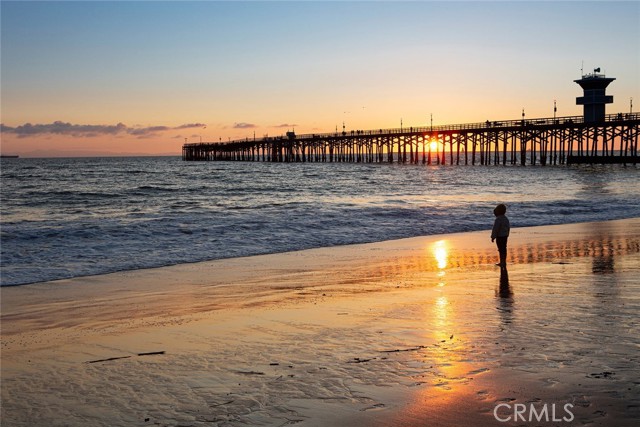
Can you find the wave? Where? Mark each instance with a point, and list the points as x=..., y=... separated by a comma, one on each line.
x=148, y=188
x=186, y=214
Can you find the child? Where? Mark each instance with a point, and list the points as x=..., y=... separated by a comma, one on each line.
x=500, y=233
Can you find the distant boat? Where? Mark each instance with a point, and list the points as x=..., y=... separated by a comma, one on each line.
x=9, y=156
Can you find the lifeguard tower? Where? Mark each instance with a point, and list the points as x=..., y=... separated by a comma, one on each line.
x=595, y=97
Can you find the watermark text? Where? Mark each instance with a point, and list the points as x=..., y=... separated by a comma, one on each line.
x=505, y=412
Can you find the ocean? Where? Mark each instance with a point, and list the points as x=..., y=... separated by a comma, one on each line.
x=64, y=218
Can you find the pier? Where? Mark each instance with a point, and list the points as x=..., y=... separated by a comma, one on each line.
x=548, y=141
x=594, y=137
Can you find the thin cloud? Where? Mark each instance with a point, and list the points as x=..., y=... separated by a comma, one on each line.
x=243, y=125
x=285, y=125
x=147, y=130
x=191, y=125
x=89, y=131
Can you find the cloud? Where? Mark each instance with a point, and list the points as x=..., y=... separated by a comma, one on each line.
x=61, y=128
x=191, y=125
x=243, y=125
x=89, y=131
x=147, y=130
x=285, y=125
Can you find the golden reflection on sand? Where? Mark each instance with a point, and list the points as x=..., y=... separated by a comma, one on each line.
x=448, y=255
x=447, y=369
x=440, y=253
x=446, y=366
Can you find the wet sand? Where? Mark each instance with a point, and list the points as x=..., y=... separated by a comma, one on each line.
x=414, y=332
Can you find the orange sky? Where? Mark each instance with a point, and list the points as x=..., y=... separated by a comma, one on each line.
x=167, y=71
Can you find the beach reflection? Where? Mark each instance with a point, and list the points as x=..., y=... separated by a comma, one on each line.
x=441, y=308
x=441, y=316
x=604, y=257
x=602, y=249
x=566, y=302
x=504, y=296
x=441, y=254
x=446, y=353
x=446, y=362
x=445, y=256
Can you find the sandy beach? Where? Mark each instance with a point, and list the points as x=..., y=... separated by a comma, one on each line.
x=423, y=331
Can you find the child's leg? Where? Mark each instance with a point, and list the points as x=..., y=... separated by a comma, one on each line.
x=502, y=249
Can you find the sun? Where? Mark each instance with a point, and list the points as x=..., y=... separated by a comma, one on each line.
x=433, y=145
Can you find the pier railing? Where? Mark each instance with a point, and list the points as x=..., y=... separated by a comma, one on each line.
x=550, y=121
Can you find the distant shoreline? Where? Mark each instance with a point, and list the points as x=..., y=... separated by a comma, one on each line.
x=87, y=156
x=179, y=156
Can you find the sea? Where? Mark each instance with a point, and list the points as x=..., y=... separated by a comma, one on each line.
x=71, y=217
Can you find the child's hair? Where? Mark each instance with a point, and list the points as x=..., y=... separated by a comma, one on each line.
x=501, y=209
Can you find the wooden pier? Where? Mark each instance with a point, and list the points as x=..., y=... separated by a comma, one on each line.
x=546, y=141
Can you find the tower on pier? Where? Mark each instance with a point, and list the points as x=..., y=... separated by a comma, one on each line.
x=595, y=98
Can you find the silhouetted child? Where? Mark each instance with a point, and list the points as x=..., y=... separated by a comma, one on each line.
x=500, y=232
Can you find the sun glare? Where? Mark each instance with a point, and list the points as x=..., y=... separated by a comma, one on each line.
x=440, y=253
x=433, y=145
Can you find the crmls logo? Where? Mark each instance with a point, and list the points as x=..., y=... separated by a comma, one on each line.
x=521, y=412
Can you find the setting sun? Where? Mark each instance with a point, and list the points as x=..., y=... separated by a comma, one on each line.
x=433, y=145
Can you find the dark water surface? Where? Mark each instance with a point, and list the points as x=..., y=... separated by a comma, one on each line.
x=64, y=218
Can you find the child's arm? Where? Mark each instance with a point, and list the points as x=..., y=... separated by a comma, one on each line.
x=494, y=231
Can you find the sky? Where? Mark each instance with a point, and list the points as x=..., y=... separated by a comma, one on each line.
x=143, y=77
